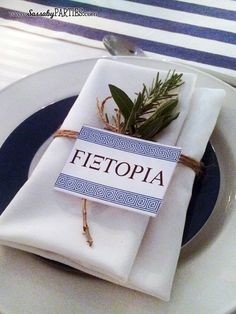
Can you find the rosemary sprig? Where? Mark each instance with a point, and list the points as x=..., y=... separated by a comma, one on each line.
x=152, y=111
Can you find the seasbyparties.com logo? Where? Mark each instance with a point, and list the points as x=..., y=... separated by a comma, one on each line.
x=55, y=12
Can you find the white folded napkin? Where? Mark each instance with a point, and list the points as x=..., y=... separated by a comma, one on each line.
x=48, y=222
x=155, y=264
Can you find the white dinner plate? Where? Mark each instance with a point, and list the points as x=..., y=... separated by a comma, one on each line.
x=205, y=280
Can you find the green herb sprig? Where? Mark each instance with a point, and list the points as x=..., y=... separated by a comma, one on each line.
x=152, y=111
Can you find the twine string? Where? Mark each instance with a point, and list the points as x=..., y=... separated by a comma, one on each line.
x=85, y=223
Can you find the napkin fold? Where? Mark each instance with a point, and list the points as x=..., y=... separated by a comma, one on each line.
x=46, y=221
x=155, y=265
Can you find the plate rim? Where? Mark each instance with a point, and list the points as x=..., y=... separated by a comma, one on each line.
x=120, y=58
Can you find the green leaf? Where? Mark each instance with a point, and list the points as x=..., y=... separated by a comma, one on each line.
x=167, y=107
x=134, y=113
x=122, y=100
x=168, y=120
x=160, y=119
x=151, y=127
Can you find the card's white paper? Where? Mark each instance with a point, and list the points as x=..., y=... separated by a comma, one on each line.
x=118, y=170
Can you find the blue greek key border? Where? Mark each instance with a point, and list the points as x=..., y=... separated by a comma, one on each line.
x=109, y=194
x=128, y=144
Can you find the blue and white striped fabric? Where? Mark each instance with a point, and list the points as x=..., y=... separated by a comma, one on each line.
x=200, y=33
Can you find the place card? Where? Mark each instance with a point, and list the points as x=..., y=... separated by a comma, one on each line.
x=118, y=170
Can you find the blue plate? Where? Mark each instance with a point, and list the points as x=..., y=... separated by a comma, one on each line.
x=22, y=144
